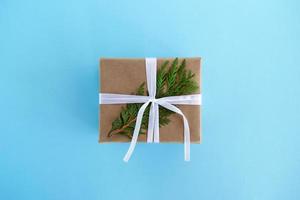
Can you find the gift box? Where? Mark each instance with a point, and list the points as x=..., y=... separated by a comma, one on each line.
x=125, y=76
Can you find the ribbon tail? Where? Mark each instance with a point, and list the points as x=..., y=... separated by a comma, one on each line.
x=186, y=130
x=156, y=124
x=136, y=131
x=187, y=139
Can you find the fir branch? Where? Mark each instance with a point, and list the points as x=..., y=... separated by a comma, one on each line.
x=172, y=81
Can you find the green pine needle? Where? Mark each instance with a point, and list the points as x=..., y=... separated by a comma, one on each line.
x=171, y=81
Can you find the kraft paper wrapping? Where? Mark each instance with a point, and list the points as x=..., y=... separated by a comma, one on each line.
x=123, y=76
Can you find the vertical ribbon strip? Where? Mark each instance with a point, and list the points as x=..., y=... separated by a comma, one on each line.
x=153, y=123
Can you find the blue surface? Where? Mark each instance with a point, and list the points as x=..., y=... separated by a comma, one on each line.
x=49, y=52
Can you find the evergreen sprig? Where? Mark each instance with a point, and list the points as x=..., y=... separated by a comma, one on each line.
x=173, y=81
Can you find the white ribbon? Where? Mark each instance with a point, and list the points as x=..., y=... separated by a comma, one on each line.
x=153, y=123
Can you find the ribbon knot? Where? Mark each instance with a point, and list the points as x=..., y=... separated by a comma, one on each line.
x=153, y=123
x=153, y=100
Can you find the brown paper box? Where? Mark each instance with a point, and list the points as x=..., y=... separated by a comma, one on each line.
x=123, y=76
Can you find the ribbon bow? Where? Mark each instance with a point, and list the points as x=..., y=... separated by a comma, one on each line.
x=153, y=123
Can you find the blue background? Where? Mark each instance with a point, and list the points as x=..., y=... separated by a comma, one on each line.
x=49, y=53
